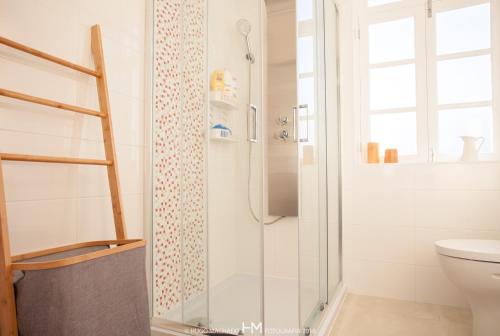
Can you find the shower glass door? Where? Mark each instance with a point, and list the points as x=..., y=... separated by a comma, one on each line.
x=240, y=232
x=312, y=165
x=234, y=130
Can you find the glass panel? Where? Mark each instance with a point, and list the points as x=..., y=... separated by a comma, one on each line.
x=392, y=87
x=464, y=80
x=179, y=246
x=304, y=10
x=281, y=299
x=395, y=130
x=332, y=154
x=309, y=214
x=392, y=41
x=463, y=29
x=235, y=181
x=306, y=96
x=309, y=184
x=372, y=3
x=476, y=122
x=305, y=55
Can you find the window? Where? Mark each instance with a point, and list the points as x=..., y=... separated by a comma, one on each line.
x=429, y=76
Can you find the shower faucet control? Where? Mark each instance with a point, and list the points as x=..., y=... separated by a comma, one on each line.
x=283, y=120
x=283, y=135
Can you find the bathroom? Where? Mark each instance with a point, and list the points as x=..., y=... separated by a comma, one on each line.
x=289, y=167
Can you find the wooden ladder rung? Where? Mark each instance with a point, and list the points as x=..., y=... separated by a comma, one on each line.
x=8, y=321
x=48, y=57
x=51, y=103
x=53, y=159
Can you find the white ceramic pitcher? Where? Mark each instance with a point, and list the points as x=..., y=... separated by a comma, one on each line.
x=472, y=146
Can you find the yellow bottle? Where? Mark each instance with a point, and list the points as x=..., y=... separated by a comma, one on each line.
x=217, y=80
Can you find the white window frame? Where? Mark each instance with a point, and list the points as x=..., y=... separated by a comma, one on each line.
x=433, y=59
x=426, y=75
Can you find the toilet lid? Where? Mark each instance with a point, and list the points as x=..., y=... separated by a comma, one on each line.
x=473, y=249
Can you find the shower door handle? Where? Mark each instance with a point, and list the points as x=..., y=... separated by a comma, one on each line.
x=296, y=136
x=252, y=114
x=306, y=107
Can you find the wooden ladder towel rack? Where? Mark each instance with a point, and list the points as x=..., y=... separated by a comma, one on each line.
x=8, y=263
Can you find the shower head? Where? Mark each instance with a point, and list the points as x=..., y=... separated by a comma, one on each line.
x=244, y=27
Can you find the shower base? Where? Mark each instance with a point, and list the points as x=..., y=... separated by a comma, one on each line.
x=235, y=303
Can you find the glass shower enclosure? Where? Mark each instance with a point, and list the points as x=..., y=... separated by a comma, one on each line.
x=245, y=165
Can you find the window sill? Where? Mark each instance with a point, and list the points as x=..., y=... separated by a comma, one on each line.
x=435, y=163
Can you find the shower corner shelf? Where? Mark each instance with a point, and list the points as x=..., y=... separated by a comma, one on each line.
x=221, y=139
x=218, y=100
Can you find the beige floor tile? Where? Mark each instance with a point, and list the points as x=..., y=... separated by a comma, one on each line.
x=364, y=315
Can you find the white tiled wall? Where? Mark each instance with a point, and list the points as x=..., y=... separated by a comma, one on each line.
x=394, y=214
x=49, y=205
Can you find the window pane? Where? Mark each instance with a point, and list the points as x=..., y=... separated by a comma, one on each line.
x=372, y=3
x=392, y=87
x=464, y=80
x=395, y=130
x=305, y=55
x=306, y=91
x=476, y=121
x=463, y=29
x=392, y=41
x=304, y=10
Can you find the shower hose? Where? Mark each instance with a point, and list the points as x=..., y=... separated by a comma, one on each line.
x=249, y=181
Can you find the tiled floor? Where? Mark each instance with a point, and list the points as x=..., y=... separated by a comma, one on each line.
x=370, y=316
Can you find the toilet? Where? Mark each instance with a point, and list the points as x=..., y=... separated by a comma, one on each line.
x=473, y=265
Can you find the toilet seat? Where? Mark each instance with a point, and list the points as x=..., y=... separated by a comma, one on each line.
x=471, y=249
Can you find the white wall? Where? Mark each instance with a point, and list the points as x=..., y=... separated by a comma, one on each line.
x=394, y=213
x=49, y=205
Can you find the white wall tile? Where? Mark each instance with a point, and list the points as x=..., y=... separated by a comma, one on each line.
x=380, y=279
x=432, y=286
x=133, y=210
x=465, y=209
x=124, y=69
x=467, y=176
x=95, y=219
x=382, y=207
x=394, y=214
x=49, y=29
x=36, y=119
x=37, y=225
x=384, y=177
x=39, y=181
x=388, y=244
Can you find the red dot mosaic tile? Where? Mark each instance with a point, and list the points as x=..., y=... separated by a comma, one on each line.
x=179, y=245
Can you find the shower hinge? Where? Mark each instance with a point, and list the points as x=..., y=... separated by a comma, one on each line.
x=429, y=8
